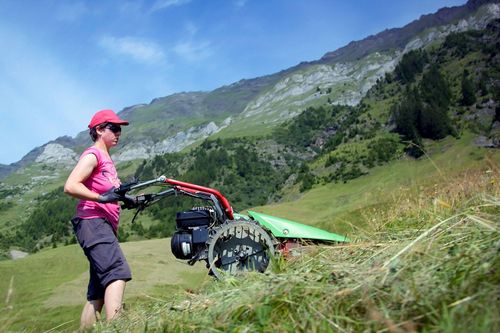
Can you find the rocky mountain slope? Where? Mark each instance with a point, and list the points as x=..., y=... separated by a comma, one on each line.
x=253, y=106
x=440, y=98
x=399, y=38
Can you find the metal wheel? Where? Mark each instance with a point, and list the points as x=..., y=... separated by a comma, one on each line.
x=239, y=246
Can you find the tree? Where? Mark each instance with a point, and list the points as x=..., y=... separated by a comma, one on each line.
x=406, y=116
x=410, y=65
x=434, y=89
x=423, y=112
x=468, y=94
x=433, y=121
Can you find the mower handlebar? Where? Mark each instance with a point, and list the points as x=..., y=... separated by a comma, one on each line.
x=177, y=186
x=133, y=185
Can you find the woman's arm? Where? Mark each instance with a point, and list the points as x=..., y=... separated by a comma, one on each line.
x=74, y=184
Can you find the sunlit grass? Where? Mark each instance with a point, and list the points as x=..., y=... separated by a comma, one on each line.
x=426, y=263
x=341, y=207
x=48, y=288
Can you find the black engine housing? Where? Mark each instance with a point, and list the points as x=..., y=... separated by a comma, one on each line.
x=192, y=233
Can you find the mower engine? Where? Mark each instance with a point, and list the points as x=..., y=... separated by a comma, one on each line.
x=191, y=235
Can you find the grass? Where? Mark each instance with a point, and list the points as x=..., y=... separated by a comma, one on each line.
x=427, y=263
x=25, y=192
x=48, y=288
x=340, y=207
x=440, y=278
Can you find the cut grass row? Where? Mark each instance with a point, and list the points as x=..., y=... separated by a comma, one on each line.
x=423, y=264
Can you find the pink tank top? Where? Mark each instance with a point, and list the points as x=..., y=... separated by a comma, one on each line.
x=103, y=177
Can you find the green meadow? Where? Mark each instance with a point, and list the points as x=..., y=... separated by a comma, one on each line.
x=344, y=207
x=45, y=291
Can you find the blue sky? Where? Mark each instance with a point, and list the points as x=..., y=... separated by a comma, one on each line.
x=61, y=61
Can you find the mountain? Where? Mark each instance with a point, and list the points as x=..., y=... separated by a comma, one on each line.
x=275, y=137
x=398, y=38
x=255, y=106
x=424, y=228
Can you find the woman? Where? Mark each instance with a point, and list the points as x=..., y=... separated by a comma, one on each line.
x=93, y=181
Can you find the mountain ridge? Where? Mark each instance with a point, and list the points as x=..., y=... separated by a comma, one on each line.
x=225, y=104
x=398, y=37
x=324, y=144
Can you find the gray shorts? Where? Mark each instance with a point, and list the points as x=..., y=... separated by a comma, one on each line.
x=100, y=245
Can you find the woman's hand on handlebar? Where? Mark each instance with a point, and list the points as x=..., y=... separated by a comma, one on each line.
x=109, y=196
x=113, y=195
x=129, y=201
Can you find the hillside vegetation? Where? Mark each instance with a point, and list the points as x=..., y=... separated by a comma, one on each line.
x=448, y=89
x=410, y=174
x=445, y=214
x=426, y=262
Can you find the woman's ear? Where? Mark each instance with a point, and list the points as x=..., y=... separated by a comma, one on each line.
x=99, y=130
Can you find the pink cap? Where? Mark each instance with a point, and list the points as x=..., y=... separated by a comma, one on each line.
x=106, y=116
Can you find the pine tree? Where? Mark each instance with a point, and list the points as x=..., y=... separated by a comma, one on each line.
x=434, y=89
x=434, y=122
x=410, y=65
x=406, y=116
x=468, y=94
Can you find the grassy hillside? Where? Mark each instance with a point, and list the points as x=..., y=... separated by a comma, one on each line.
x=426, y=259
x=346, y=207
x=47, y=289
x=347, y=286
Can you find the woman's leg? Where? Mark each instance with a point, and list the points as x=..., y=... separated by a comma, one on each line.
x=91, y=313
x=113, y=298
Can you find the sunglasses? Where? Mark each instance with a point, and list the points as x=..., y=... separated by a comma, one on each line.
x=113, y=127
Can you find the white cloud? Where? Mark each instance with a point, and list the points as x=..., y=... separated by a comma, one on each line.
x=193, y=52
x=163, y=4
x=141, y=50
x=128, y=7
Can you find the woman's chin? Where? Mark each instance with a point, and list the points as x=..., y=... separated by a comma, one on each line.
x=112, y=144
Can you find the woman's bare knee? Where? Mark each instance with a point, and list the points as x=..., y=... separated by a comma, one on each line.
x=113, y=298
